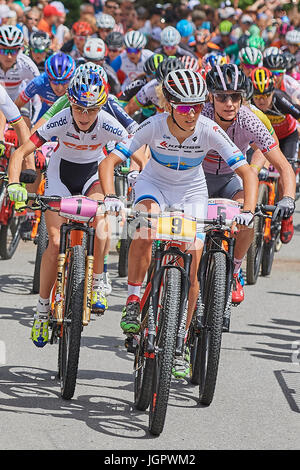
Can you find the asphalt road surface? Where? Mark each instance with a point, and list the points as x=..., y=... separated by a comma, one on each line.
x=257, y=398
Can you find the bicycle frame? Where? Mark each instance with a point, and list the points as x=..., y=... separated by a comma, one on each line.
x=271, y=185
x=155, y=285
x=67, y=240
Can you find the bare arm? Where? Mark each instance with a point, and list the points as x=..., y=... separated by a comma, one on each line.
x=22, y=131
x=16, y=160
x=106, y=173
x=250, y=184
x=287, y=175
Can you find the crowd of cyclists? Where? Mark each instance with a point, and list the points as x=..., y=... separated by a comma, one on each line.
x=200, y=100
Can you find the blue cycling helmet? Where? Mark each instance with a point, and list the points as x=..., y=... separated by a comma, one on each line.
x=185, y=28
x=60, y=67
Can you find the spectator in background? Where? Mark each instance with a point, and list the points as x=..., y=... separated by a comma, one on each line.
x=154, y=20
x=109, y=7
x=62, y=33
x=49, y=19
x=31, y=20
x=6, y=14
x=86, y=9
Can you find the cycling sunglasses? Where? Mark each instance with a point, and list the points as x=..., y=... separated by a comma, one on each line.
x=115, y=49
x=264, y=96
x=185, y=109
x=223, y=97
x=132, y=50
x=9, y=51
x=39, y=51
x=59, y=82
x=250, y=66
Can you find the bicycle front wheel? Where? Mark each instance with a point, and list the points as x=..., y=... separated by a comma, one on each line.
x=211, y=333
x=165, y=350
x=70, y=338
x=10, y=236
x=254, y=254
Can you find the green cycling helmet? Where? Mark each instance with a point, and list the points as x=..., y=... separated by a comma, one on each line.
x=257, y=42
x=250, y=55
x=225, y=27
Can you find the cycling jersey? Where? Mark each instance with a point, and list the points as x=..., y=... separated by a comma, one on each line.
x=111, y=106
x=174, y=175
x=40, y=86
x=179, y=162
x=8, y=107
x=130, y=69
x=147, y=96
x=180, y=51
x=283, y=114
x=23, y=69
x=247, y=128
x=131, y=90
x=73, y=165
x=262, y=116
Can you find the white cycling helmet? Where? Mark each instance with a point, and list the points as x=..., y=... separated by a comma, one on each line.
x=94, y=49
x=11, y=36
x=170, y=36
x=135, y=40
x=184, y=86
x=88, y=87
x=105, y=21
x=271, y=50
x=88, y=66
x=293, y=37
x=250, y=55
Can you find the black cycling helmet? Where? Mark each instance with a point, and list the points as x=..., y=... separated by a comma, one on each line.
x=39, y=41
x=114, y=40
x=151, y=64
x=290, y=60
x=275, y=61
x=226, y=77
x=167, y=65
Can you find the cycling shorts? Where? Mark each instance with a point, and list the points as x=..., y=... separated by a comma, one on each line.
x=191, y=200
x=65, y=178
x=290, y=146
x=224, y=186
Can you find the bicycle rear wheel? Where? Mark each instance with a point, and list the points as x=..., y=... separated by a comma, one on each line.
x=165, y=351
x=254, y=254
x=70, y=338
x=209, y=343
x=42, y=242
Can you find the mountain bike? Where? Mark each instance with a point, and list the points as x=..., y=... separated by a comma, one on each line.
x=164, y=312
x=71, y=295
x=213, y=310
x=261, y=251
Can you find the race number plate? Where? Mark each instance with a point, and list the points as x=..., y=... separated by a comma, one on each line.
x=225, y=207
x=176, y=226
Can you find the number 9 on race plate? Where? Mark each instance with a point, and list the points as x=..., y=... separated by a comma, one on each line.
x=176, y=226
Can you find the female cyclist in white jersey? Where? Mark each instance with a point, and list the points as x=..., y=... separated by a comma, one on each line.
x=82, y=131
x=178, y=140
